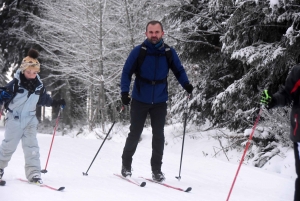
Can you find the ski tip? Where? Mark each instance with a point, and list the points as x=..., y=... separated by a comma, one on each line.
x=188, y=189
x=60, y=188
x=143, y=184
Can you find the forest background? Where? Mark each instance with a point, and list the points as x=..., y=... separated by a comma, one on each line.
x=231, y=50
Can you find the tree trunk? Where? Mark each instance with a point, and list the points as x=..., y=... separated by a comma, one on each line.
x=67, y=111
x=91, y=94
x=129, y=24
x=101, y=97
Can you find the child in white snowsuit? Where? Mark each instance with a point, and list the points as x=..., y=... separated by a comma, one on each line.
x=21, y=97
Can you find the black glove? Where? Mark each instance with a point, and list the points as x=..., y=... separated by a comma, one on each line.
x=56, y=103
x=125, y=98
x=189, y=88
x=267, y=100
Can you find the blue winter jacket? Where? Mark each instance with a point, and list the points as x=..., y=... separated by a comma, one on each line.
x=154, y=68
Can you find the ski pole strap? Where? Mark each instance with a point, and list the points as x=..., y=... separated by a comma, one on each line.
x=265, y=98
x=266, y=94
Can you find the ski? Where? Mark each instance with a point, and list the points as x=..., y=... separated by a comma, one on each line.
x=131, y=180
x=169, y=186
x=2, y=182
x=43, y=185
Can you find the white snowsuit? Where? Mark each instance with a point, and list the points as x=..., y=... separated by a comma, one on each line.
x=21, y=124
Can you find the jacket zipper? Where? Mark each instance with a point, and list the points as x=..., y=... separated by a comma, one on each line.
x=296, y=126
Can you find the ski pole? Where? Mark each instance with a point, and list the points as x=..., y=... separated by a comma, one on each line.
x=184, y=126
x=247, y=145
x=56, y=125
x=86, y=173
x=1, y=110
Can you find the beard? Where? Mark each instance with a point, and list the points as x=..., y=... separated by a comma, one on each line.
x=154, y=40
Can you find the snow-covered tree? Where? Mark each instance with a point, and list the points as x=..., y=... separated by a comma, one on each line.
x=84, y=47
x=232, y=51
x=264, y=37
x=197, y=26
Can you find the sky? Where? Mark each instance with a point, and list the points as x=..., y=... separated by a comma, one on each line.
x=209, y=174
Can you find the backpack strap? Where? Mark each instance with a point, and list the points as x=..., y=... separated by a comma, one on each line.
x=140, y=59
x=170, y=60
x=154, y=82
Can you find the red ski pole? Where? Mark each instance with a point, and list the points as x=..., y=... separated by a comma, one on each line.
x=2, y=107
x=246, y=148
x=56, y=125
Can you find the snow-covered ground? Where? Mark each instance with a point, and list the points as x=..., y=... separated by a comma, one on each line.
x=209, y=176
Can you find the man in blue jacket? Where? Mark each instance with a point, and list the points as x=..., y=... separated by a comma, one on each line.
x=149, y=95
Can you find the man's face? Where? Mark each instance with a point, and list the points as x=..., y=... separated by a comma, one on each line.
x=154, y=33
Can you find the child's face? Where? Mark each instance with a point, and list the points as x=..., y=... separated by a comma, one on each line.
x=30, y=73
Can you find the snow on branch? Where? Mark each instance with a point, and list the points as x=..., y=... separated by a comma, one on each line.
x=262, y=54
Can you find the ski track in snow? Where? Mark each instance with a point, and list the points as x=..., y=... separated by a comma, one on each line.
x=209, y=177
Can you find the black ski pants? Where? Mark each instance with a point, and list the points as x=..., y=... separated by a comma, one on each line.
x=138, y=115
x=297, y=162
